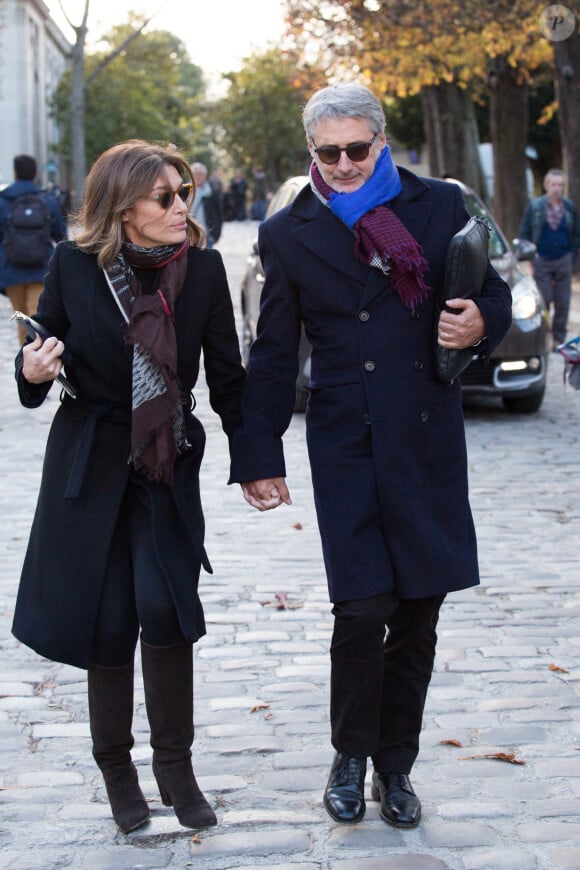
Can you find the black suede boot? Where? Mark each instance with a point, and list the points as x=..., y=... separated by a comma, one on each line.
x=110, y=692
x=168, y=682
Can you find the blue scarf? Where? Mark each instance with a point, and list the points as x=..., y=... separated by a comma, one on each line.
x=383, y=186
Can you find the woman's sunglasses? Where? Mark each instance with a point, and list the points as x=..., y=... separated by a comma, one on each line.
x=357, y=152
x=167, y=197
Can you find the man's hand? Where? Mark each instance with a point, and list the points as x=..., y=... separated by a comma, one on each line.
x=266, y=494
x=463, y=329
x=42, y=360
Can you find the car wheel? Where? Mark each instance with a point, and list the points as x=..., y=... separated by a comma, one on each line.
x=524, y=404
x=301, y=400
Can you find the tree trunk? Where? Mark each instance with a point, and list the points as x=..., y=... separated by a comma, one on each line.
x=508, y=117
x=77, y=106
x=451, y=134
x=567, y=61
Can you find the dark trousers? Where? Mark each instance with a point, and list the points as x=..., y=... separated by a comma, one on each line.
x=135, y=593
x=382, y=655
x=554, y=280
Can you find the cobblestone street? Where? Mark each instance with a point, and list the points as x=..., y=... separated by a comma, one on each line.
x=507, y=674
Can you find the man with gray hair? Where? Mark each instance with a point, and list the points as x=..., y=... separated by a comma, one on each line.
x=359, y=259
x=205, y=208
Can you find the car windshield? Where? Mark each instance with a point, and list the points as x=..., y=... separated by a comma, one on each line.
x=497, y=244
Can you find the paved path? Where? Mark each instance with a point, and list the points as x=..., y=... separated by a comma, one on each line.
x=262, y=749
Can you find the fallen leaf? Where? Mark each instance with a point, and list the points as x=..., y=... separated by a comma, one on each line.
x=297, y=526
x=196, y=838
x=46, y=684
x=451, y=742
x=497, y=756
x=282, y=602
x=557, y=669
x=259, y=707
x=268, y=715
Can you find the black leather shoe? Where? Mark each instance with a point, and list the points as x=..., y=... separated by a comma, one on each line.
x=344, y=797
x=400, y=806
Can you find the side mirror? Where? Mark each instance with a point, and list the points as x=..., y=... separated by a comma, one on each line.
x=524, y=250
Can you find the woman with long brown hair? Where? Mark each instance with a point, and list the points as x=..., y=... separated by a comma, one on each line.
x=116, y=545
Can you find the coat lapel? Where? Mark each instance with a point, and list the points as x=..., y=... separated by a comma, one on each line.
x=328, y=238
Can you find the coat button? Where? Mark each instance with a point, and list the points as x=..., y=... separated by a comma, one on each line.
x=419, y=366
x=364, y=316
x=369, y=366
x=415, y=314
x=424, y=416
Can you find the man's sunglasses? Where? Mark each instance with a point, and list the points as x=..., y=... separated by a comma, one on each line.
x=167, y=197
x=357, y=152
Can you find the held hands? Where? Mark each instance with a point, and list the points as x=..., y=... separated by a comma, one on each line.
x=42, y=360
x=462, y=329
x=266, y=494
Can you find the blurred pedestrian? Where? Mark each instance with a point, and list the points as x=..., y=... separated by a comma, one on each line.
x=205, y=208
x=359, y=259
x=24, y=261
x=238, y=190
x=551, y=222
x=258, y=209
x=116, y=545
x=217, y=187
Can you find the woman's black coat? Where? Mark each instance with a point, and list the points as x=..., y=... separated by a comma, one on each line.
x=85, y=468
x=385, y=438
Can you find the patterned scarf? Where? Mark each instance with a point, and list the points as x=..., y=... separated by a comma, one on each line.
x=381, y=240
x=157, y=423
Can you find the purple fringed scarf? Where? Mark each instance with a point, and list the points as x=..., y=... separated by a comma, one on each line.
x=157, y=423
x=381, y=240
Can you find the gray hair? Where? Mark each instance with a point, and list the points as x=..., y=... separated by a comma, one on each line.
x=199, y=167
x=344, y=100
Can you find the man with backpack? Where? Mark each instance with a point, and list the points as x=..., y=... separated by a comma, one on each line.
x=31, y=222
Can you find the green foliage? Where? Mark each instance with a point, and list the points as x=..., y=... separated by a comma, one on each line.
x=151, y=90
x=258, y=122
x=405, y=121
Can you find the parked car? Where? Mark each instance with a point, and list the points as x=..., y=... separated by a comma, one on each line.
x=518, y=368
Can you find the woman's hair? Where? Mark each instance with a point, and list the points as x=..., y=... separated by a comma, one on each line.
x=345, y=100
x=117, y=180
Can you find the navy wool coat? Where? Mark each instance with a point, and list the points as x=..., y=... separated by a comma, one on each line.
x=386, y=439
x=85, y=469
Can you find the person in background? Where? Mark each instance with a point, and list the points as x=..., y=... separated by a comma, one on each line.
x=116, y=544
x=205, y=208
x=21, y=281
x=359, y=259
x=218, y=189
x=238, y=190
x=259, y=195
x=551, y=222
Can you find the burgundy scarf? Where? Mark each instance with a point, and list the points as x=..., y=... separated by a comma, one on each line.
x=157, y=423
x=381, y=240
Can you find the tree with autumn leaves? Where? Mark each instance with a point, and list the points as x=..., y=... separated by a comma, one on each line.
x=452, y=53
x=258, y=123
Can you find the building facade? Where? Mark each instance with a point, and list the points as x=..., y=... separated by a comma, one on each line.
x=33, y=56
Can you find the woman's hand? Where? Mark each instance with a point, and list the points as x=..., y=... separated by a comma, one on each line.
x=266, y=494
x=463, y=329
x=42, y=360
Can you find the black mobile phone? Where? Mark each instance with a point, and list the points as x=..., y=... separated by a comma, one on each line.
x=34, y=329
